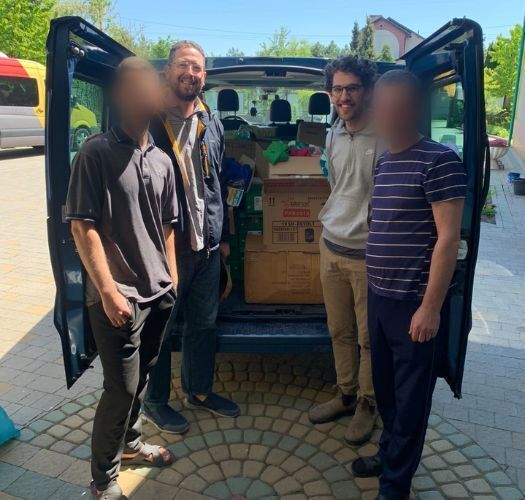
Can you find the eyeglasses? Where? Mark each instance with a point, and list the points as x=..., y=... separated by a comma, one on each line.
x=185, y=66
x=350, y=90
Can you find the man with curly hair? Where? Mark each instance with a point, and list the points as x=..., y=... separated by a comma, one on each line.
x=351, y=150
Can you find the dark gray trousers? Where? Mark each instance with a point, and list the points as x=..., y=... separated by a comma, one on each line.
x=127, y=355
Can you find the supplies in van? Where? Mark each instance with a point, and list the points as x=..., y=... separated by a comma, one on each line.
x=297, y=148
x=276, y=152
x=291, y=209
x=280, y=277
x=237, y=177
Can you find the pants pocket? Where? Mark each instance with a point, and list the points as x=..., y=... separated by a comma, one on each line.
x=128, y=326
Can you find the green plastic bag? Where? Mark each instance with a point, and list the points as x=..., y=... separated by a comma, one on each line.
x=276, y=152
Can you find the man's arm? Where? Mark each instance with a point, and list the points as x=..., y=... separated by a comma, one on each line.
x=447, y=215
x=91, y=251
x=169, y=237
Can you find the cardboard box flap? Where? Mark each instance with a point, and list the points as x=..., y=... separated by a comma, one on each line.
x=312, y=133
x=297, y=166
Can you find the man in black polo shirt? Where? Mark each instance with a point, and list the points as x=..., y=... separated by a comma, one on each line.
x=122, y=204
x=417, y=203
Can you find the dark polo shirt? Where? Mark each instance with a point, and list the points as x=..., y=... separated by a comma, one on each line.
x=129, y=194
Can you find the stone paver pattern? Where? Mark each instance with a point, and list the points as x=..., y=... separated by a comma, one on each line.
x=270, y=452
x=475, y=446
x=492, y=410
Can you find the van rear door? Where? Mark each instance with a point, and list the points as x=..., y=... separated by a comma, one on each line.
x=451, y=62
x=80, y=62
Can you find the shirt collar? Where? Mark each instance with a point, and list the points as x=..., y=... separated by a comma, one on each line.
x=123, y=138
x=198, y=110
x=339, y=127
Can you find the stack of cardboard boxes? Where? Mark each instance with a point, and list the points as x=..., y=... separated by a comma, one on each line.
x=281, y=266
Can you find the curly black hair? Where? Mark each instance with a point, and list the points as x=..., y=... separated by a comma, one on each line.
x=363, y=68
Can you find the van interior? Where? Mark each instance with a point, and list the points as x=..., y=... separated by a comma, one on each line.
x=272, y=102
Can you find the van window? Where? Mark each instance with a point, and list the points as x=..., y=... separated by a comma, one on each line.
x=16, y=91
x=447, y=115
x=260, y=99
x=87, y=109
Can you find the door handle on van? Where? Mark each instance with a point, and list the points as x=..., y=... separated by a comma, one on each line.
x=39, y=110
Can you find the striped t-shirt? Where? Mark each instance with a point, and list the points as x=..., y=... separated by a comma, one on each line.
x=402, y=228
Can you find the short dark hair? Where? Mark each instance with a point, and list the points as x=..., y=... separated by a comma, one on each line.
x=132, y=64
x=184, y=44
x=364, y=69
x=405, y=78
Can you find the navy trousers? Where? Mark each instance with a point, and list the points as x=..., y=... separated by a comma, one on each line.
x=198, y=299
x=404, y=375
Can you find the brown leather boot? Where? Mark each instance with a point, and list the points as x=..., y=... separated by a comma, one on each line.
x=362, y=425
x=333, y=409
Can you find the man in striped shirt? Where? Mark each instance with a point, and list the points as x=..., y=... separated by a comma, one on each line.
x=417, y=203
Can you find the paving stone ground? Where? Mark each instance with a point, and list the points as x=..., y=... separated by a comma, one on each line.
x=475, y=447
x=270, y=452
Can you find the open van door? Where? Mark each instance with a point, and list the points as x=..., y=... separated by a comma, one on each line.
x=80, y=62
x=450, y=62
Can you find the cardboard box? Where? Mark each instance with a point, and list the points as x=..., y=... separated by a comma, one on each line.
x=280, y=277
x=312, y=133
x=291, y=213
x=249, y=149
x=296, y=166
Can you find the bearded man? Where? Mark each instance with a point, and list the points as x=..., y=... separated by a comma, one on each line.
x=193, y=137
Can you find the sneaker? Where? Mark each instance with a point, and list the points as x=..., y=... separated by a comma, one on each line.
x=165, y=419
x=333, y=409
x=367, y=466
x=112, y=492
x=215, y=404
x=362, y=425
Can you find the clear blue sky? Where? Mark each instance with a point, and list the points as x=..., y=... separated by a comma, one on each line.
x=221, y=24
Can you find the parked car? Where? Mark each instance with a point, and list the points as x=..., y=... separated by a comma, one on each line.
x=22, y=111
x=450, y=61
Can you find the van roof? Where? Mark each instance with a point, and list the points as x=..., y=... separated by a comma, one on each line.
x=18, y=67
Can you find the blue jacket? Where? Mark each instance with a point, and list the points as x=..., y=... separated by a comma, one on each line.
x=216, y=217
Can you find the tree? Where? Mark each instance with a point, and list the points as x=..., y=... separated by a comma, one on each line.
x=281, y=44
x=98, y=12
x=233, y=52
x=161, y=48
x=320, y=50
x=23, y=27
x=356, y=35
x=132, y=38
x=500, y=79
x=386, y=54
x=365, y=46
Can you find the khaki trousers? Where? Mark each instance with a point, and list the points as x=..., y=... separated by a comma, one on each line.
x=345, y=290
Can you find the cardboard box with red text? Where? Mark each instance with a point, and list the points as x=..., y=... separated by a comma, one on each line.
x=291, y=213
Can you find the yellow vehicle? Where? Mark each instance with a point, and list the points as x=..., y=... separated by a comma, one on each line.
x=22, y=107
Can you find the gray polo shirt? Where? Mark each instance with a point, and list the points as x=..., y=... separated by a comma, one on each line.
x=185, y=131
x=129, y=194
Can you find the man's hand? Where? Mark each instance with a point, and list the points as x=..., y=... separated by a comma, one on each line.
x=224, y=249
x=424, y=325
x=116, y=308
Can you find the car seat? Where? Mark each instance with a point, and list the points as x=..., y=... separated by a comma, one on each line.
x=319, y=105
x=228, y=101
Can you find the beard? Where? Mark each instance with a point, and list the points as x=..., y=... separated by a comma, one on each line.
x=184, y=92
